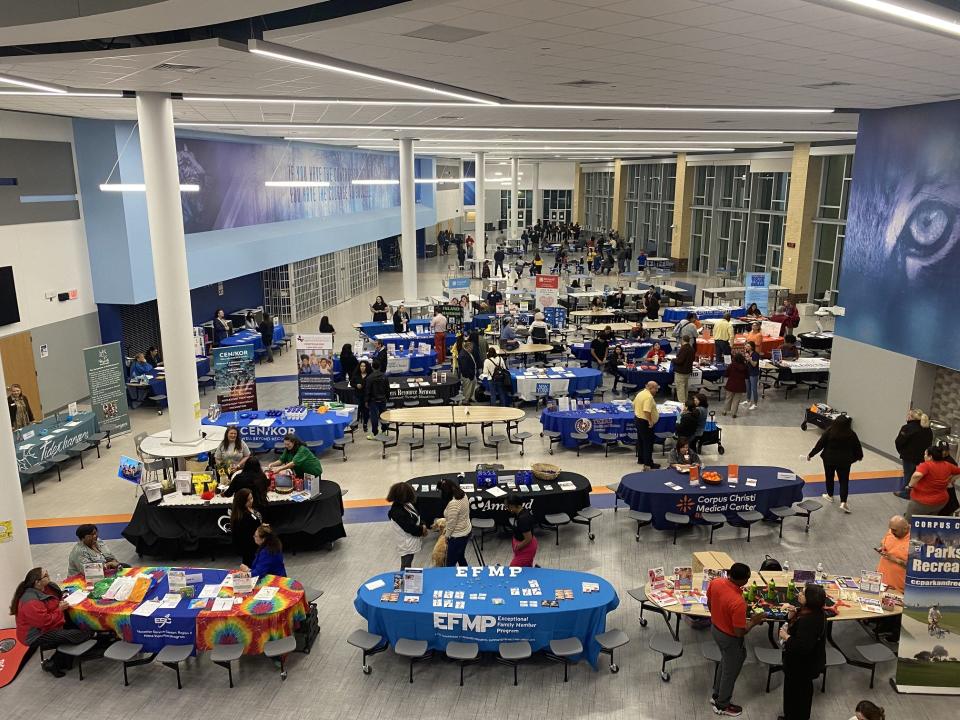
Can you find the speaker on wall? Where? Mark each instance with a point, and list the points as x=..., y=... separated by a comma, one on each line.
x=9, y=310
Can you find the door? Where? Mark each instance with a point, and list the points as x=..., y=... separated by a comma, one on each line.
x=16, y=351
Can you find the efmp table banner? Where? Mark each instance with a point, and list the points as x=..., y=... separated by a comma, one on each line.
x=757, y=290
x=315, y=368
x=108, y=387
x=234, y=368
x=930, y=633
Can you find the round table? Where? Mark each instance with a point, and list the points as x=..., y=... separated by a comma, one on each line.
x=408, y=388
x=632, y=349
x=251, y=623
x=372, y=328
x=617, y=418
x=582, y=617
x=646, y=491
x=317, y=427
x=182, y=524
x=676, y=314
x=160, y=445
x=816, y=340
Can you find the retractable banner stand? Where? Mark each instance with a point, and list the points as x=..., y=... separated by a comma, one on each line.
x=929, y=651
x=234, y=368
x=757, y=290
x=315, y=369
x=547, y=290
x=12, y=656
x=108, y=387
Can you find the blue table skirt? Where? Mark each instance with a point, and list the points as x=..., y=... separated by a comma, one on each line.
x=584, y=617
x=646, y=491
x=639, y=378
x=583, y=379
x=419, y=364
x=372, y=329
x=611, y=420
x=421, y=337
x=632, y=350
x=249, y=337
x=157, y=386
x=323, y=428
x=48, y=440
x=676, y=314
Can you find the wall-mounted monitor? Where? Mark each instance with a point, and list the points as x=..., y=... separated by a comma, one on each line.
x=9, y=310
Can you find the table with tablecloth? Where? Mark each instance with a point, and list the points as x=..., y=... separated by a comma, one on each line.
x=403, y=341
x=631, y=349
x=181, y=524
x=676, y=314
x=316, y=427
x=554, y=381
x=484, y=622
x=637, y=376
x=40, y=441
x=706, y=348
x=157, y=384
x=418, y=388
x=547, y=499
x=252, y=337
x=250, y=623
x=648, y=492
x=372, y=328
x=816, y=340
x=409, y=363
x=616, y=417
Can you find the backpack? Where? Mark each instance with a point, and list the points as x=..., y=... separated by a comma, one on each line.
x=500, y=375
x=679, y=328
x=771, y=564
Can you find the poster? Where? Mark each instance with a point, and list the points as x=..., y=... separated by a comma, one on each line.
x=199, y=342
x=458, y=286
x=13, y=653
x=929, y=650
x=315, y=369
x=757, y=290
x=547, y=290
x=452, y=312
x=107, y=383
x=234, y=368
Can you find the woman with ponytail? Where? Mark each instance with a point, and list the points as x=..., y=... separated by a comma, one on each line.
x=866, y=710
x=914, y=438
x=269, y=557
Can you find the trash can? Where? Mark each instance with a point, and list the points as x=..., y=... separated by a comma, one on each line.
x=940, y=429
x=952, y=443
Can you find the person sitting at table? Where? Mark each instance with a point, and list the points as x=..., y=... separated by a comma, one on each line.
x=789, y=349
x=38, y=607
x=508, y=336
x=325, y=326
x=655, y=354
x=348, y=361
x=687, y=422
x=524, y=543
x=458, y=528
x=140, y=366
x=790, y=315
x=494, y=298
x=682, y=454
x=89, y=549
x=250, y=322
x=152, y=356
x=755, y=335
x=232, y=453
x=379, y=356
x=539, y=329
x=378, y=393
x=252, y=478
x=617, y=301
x=358, y=381
x=221, y=327
x=737, y=373
x=599, y=347
x=379, y=309
x=597, y=303
x=269, y=557
x=401, y=319
x=245, y=518
x=265, y=328
x=702, y=404
x=21, y=413
x=804, y=651
x=929, y=482
x=405, y=522
x=297, y=457
x=753, y=311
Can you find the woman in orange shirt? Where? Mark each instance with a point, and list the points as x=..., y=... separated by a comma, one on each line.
x=755, y=336
x=928, y=485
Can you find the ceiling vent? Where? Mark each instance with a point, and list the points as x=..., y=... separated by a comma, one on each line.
x=445, y=33
x=583, y=83
x=174, y=67
x=831, y=84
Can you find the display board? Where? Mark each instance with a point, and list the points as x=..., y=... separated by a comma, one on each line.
x=315, y=369
x=451, y=311
x=234, y=368
x=757, y=290
x=547, y=290
x=107, y=383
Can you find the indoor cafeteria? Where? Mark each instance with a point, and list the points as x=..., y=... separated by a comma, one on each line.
x=441, y=359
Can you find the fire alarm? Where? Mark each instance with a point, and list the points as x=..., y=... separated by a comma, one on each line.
x=63, y=297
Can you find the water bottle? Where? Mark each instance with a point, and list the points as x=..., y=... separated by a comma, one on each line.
x=820, y=573
x=786, y=566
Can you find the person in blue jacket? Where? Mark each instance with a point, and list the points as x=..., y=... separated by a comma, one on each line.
x=269, y=557
x=140, y=366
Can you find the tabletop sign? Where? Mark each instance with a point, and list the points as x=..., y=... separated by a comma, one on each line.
x=92, y=573
x=413, y=581
x=492, y=571
x=242, y=583
x=311, y=484
x=176, y=580
x=870, y=581
x=451, y=311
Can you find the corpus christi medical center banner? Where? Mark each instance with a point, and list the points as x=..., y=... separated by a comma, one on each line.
x=234, y=368
x=315, y=368
x=756, y=289
x=108, y=387
x=929, y=651
x=547, y=290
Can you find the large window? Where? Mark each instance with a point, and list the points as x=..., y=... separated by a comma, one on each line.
x=524, y=206
x=830, y=226
x=648, y=206
x=598, y=200
x=557, y=205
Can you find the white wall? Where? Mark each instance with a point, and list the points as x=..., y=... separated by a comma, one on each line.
x=449, y=204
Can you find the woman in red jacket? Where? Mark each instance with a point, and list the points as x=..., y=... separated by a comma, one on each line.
x=38, y=606
x=736, y=384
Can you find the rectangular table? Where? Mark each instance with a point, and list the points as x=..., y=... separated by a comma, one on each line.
x=43, y=440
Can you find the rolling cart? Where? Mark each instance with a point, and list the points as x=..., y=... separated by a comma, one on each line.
x=821, y=415
x=712, y=436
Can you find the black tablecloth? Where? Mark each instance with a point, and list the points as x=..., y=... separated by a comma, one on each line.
x=409, y=390
x=814, y=341
x=483, y=505
x=160, y=531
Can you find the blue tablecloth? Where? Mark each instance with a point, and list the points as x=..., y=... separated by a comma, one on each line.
x=481, y=621
x=158, y=385
x=664, y=376
x=249, y=337
x=676, y=314
x=646, y=491
x=581, y=350
x=419, y=364
x=402, y=342
x=323, y=428
x=40, y=441
x=525, y=388
x=606, y=418
x=372, y=329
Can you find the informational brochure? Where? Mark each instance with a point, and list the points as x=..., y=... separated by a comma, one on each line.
x=266, y=593
x=656, y=578
x=170, y=601
x=209, y=591
x=413, y=581
x=223, y=604
x=92, y=573
x=147, y=608
x=76, y=597
x=683, y=577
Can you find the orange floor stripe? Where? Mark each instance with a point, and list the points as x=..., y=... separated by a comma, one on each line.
x=77, y=520
x=871, y=475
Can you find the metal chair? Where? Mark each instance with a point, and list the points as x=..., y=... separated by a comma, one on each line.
x=610, y=641
x=586, y=516
x=562, y=650
x=464, y=653
x=224, y=655
x=278, y=650
x=369, y=644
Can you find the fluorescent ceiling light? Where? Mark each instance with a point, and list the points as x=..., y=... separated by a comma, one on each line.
x=554, y=148
x=45, y=87
x=425, y=143
x=141, y=187
x=418, y=181
x=914, y=16
x=667, y=108
x=296, y=183
x=323, y=62
x=374, y=182
x=65, y=94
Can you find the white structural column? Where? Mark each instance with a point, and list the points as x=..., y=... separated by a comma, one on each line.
x=514, y=197
x=480, y=225
x=537, y=202
x=15, y=558
x=165, y=217
x=408, y=220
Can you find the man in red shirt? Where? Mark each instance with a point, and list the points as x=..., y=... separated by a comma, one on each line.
x=728, y=613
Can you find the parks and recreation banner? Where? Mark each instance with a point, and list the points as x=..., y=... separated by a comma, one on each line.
x=757, y=290
x=929, y=651
x=234, y=369
x=108, y=387
x=315, y=368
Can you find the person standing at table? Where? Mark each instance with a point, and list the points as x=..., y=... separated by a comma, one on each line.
x=498, y=258
x=325, y=326
x=401, y=319
x=405, y=521
x=683, y=368
x=266, y=334
x=438, y=326
x=791, y=316
x=753, y=311
x=495, y=369
x=929, y=482
x=728, y=615
x=467, y=367
x=378, y=392
x=803, y=639
x=461, y=256
x=21, y=413
x=379, y=309
x=269, y=557
x=524, y=543
x=839, y=447
x=379, y=356
x=702, y=404
x=494, y=298
x=687, y=422
x=722, y=337
x=458, y=528
x=645, y=417
x=651, y=302
x=358, y=381
x=297, y=458
x=893, y=551
x=737, y=373
x=913, y=439
x=485, y=270
x=687, y=328
x=221, y=327
x=348, y=361
x=599, y=347
x=245, y=518
x=753, y=376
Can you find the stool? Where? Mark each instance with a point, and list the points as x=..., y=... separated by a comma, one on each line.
x=494, y=441
x=582, y=440
x=59, y=460
x=223, y=655
x=554, y=521
x=511, y=653
x=256, y=447
x=172, y=655
x=613, y=487
x=608, y=440
x=77, y=651
x=642, y=518
x=203, y=382
x=640, y=595
x=465, y=653
x=749, y=517
x=807, y=508
x=834, y=658
x=414, y=649
x=610, y=641
x=441, y=443
x=311, y=594
x=98, y=438
x=384, y=439
x=562, y=650
x=483, y=525
x=78, y=450
x=124, y=652
x=159, y=400
x=772, y=658
x=435, y=402
x=279, y=649
x=341, y=445
x=676, y=519
x=874, y=654
x=716, y=520
x=586, y=517
x=784, y=511
x=669, y=649
x=413, y=443
x=522, y=437
x=466, y=443
x=711, y=651
x=554, y=437
x=369, y=644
